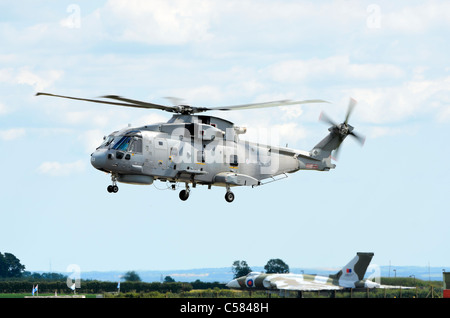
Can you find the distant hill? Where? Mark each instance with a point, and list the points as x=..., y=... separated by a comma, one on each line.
x=224, y=274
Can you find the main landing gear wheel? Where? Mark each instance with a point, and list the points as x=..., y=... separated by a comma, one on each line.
x=112, y=189
x=184, y=195
x=229, y=196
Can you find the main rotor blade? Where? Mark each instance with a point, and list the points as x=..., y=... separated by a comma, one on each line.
x=138, y=103
x=130, y=102
x=183, y=109
x=175, y=100
x=265, y=105
x=85, y=99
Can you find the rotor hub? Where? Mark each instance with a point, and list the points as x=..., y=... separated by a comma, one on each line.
x=343, y=129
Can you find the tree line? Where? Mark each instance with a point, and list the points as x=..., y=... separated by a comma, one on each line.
x=275, y=265
x=10, y=267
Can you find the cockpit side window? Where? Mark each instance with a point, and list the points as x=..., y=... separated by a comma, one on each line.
x=135, y=145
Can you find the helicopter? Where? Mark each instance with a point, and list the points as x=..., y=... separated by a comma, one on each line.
x=197, y=149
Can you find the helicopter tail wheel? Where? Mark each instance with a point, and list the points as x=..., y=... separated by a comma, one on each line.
x=229, y=196
x=184, y=195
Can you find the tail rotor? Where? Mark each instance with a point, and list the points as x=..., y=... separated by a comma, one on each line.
x=344, y=129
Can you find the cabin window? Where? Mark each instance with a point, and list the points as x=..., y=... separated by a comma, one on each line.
x=233, y=160
x=135, y=145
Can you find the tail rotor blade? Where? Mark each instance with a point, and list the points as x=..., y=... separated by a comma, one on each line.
x=323, y=117
x=337, y=151
x=360, y=138
x=351, y=106
x=344, y=129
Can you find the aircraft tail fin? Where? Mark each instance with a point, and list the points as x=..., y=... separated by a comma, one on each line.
x=356, y=269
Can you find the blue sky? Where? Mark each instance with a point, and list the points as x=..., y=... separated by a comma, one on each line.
x=389, y=197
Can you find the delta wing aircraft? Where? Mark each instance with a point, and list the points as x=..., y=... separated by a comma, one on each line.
x=351, y=276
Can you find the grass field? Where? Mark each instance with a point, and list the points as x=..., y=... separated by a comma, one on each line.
x=96, y=289
x=23, y=295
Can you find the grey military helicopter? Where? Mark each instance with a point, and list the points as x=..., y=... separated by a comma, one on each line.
x=199, y=149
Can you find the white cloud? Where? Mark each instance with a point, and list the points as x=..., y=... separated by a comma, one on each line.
x=38, y=81
x=414, y=19
x=57, y=169
x=401, y=102
x=337, y=67
x=12, y=134
x=159, y=21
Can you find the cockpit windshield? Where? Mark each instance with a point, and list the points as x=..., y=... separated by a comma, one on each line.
x=122, y=144
x=108, y=140
x=131, y=142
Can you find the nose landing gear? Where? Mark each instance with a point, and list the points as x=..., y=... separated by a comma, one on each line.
x=113, y=188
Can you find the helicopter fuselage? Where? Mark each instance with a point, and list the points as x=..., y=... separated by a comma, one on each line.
x=194, y=150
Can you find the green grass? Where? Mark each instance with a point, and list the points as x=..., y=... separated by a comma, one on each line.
x=23, y=295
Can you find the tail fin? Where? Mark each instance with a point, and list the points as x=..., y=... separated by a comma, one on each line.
x=354, y=271
x=331, y=142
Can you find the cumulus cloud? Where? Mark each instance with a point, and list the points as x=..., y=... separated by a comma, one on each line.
x=57, y=169
x=338, y=67
x=401, y=102
x=415, y=18
x=38, y=81
x=12, y=134
x=159, y=21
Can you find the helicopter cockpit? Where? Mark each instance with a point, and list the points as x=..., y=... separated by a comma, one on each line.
x=131, y=141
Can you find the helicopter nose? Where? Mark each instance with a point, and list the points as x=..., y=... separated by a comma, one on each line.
x=98, y=159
